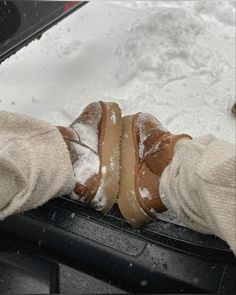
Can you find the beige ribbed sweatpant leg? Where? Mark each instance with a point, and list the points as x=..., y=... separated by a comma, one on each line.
x=34, y=164
x=199, y=185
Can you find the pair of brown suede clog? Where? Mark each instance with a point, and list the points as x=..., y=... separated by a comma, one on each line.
x=115, y=157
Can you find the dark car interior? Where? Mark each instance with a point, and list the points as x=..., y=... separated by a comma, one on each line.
x=23, y=21
x=10, y=20
x=65, y=247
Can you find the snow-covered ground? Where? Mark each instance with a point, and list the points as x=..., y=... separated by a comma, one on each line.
x=173, y=59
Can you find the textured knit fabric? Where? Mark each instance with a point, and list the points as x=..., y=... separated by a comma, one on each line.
x=34, y=164
x=199, y=185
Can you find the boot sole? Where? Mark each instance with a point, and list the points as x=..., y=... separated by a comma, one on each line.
x=127, y=197
x=109, y=159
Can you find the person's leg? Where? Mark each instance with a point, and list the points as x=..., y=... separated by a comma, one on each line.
x=39, y=161
x=199, y=185
x=34, y=163
x=195, y=178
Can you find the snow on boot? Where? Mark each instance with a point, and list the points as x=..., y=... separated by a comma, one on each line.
x=146, y=149
x=93, y=141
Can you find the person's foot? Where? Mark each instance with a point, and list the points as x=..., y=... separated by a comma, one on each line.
x=146, y=149
x=93, y=141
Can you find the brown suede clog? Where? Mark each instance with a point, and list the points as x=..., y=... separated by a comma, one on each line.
x=146, y=149
x=93, y=141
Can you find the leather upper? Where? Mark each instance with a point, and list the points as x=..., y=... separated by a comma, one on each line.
x=155, y=151
x=84, y=138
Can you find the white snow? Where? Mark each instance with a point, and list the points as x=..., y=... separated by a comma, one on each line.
x=104, y=170
x=113, y=118
x=87, y=165
x=143, y=283
x=100, y=200
x=144, y=192
x=112, y=164
x=87, y=134
x=144, y=132
x=154, y=212
x=173, y=59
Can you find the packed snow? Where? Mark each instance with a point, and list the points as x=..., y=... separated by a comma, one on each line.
x=87, y=135
x=173, y=59
x=144, y=193
x=99, y=202
x=87, y=164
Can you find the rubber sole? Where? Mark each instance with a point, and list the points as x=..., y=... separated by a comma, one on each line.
x=127, y=197
x=107, y=192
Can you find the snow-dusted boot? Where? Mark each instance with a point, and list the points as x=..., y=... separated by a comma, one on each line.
x=146, y=149
x=93, y=141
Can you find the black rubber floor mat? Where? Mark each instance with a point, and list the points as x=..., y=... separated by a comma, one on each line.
x=160, y=257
